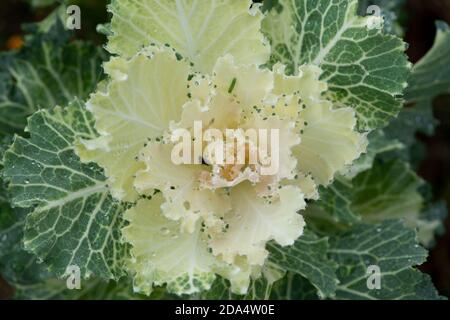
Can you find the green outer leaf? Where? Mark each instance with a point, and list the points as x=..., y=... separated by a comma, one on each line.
x=30, y=278
x=430, y=76
x=259, y=289
x=91, y=289
x=387, y=191
x=336, y=200
x=75, y=220
x=290, y=287
x=391, y=190
x=307, y=258
x=389, y=245
x=429, y=79
x=365, y=69
x=4, y=144
x=46, y=73
x=293, y=287
x=17, y=266
x=379, y=144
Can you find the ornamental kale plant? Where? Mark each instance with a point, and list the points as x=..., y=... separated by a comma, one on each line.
x=90, y=187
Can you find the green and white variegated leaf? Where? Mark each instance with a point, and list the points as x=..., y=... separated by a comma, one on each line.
x=44, y=74
x=364, y=68
x=392, y=190
x=429, y=79
x=379, y=144
x=21, y=269
x=307, y=258
x=75, y=220
x=91, y=289
x=301, y=271
x=201, y=31
x=259, y=289
x=388, y=245
x=4, y=144
x=387, y=191
x=430, y=76
x=291, y=287
x=336, y=200
x=97, y=289
x=31, y=280
x=17, y=266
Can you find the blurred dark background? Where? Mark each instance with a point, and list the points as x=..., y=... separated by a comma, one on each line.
x=420, y=33
x=419, y=20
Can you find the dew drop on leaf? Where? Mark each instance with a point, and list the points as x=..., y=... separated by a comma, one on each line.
x=165, y=231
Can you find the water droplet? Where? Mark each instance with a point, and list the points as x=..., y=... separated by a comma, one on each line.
x=165, y=231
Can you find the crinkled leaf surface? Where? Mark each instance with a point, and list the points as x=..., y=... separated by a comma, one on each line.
x=310, y=273
x=379, y=144
x=429, y=79
x=142, y=97
x=17, y=266
x=291, y=287
x=45, y=73
x=393, y=248
x=387, y=191
x=391, y=190
x=364, y=68
x=75, y=220
x=201, y=31
x=336, y=200
x=162, y=255
x=31, y=280
x=91, y=289
x=4, y=144
x=307, y=258
x=259, y=289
